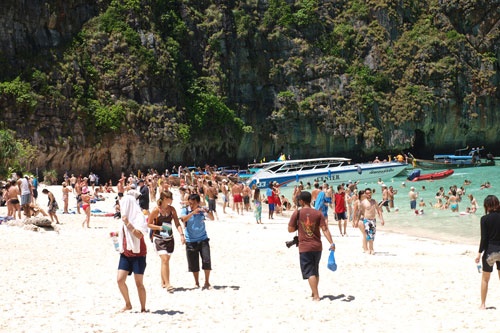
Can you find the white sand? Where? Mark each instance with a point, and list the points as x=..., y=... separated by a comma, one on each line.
x=67, y=281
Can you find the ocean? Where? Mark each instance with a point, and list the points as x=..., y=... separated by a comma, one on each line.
x=435, y=223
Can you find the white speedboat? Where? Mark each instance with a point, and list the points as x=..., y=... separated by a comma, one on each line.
x=332, y=170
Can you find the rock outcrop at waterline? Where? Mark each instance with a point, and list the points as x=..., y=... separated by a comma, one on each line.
x=124, y=84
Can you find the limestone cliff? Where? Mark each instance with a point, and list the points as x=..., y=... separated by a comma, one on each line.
x=126, y=84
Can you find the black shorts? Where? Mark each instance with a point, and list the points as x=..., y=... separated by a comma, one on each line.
x=340, y=216
x=309, y=263
x=491, y=249
x=132, y=264
x=194, y=250
x=384, y=203
x=246, y=199
x=73, y=186
x=92, y=183
x=164, y=246
x=35, y=193
x=211, y=205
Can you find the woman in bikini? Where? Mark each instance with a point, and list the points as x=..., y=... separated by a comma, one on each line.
x=474, y=205
x=14, y=200
x=66, y=190
x=162, y=234
x=453, y=201
x=86, y=206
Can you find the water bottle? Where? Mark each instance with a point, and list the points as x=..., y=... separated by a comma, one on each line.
x=114, y=239
x=479, y=268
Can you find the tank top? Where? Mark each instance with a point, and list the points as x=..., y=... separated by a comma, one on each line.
x=163, y=220
x=25, y=187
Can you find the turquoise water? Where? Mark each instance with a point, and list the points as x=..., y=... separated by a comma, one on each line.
x=435, y=223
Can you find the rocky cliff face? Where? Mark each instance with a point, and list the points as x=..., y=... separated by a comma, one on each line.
x=128, y=84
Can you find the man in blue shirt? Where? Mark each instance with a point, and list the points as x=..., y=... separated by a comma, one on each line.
x=197, y=240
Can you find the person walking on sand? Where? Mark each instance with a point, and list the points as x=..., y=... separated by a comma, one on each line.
x=25, y=190
x=490, y=243
x=53, y=207
x=270, y=200
x=257, y=201
x=144, y=198
x=132, y=250
x=308, y=222
x=369, y=209
x=357, y=217
x=197, y=241
x=162, y=235
x=237, y=198
x=211, y=192
x=14, y=200
x=85, y=197
x=65, y=194
x=78, y=192
x=341, y=209
x=225, y=195
x=385, y=198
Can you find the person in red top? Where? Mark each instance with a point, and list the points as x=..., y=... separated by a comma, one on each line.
x=340, y=209
x=270, y=200
x=132, y=250
x=308, y=221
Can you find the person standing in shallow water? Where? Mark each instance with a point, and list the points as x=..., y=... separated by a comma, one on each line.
x=490, y=243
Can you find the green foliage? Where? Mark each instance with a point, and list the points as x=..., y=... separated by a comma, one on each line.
x=107, y=117
x=14, y=154
x=20, y=91
x=50, y=177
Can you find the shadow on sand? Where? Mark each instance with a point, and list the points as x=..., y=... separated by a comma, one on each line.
x=165, y=312
x=344, y=298
x=182, y=289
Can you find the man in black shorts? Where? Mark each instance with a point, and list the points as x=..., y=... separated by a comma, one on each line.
x=308, y=221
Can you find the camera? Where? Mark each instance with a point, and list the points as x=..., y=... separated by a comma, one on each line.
x=294, y=241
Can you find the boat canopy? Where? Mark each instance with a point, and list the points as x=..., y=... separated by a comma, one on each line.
x=452, y=157
x=303, y=165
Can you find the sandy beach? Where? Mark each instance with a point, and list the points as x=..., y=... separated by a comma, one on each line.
x=66, y=281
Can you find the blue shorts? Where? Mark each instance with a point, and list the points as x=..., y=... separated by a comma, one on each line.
x=271, y=207
x=132, y=264
x=413, y=204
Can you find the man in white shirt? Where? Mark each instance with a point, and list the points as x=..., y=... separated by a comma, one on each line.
x=25, y=190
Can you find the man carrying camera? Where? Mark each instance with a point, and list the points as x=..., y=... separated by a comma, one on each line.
x=308, y=221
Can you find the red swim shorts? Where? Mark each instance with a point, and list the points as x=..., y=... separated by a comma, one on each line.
x=237, y=198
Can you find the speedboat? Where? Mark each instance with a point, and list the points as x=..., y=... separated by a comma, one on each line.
x=454, y=161
x=332, y=170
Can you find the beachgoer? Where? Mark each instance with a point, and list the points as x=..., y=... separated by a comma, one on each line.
x=53, y=207
x=92, y=180
x=413, y=198
x=144, y=198
x=65, y=194
x=357, y=217
x=276, y=199
x=369, y=209
x=308, y=222
x=78, y=192
x=132, y=250
x=72, y=181
x=257, y=201
x=34, y=188
x=246, y=197
x=211, y=192
x=321, y=205
x=453, y=201
x=162, y=235
x=13, y=193
x=385, y=198
x=474, y=205
x=225, y=195
x=391, y=194
x=340, y=209
x=85, y=197
x=421, y=203
x=270, y=200
x=25, y=190
x=376, y=160
x=490, y=243
x=237, y=198
x=314, y=193
x=197, y=241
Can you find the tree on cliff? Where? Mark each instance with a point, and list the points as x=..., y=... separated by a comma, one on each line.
x=14, y=154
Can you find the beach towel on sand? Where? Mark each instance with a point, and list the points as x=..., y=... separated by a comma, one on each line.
x=130, y=208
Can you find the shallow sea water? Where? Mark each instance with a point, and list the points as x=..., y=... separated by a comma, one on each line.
x=435, y=223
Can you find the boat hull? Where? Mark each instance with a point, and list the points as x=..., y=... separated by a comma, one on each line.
x=434, y=175
x=435, y=165
x=333, y=176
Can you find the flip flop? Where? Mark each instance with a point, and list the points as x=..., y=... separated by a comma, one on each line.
x=170, y=289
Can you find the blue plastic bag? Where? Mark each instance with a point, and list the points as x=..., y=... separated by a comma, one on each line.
x=331, y=261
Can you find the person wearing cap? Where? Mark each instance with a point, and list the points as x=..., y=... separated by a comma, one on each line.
x=385, y=198
x=144, y=198
x=413, y=198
